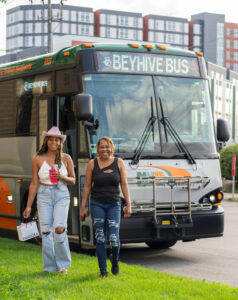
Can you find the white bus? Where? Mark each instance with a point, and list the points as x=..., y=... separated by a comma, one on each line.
x=153, y=102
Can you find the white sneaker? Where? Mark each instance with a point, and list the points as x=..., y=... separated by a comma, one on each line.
x=63, y=271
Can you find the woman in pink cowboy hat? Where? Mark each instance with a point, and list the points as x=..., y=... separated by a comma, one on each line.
x=52, y=171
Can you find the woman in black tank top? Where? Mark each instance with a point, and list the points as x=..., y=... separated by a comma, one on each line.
x=103, y=177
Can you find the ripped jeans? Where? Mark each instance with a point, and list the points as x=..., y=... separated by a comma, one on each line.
x=53, y=206
x=106, y=216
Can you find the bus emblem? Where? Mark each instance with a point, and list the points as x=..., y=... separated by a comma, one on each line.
x=107, y=61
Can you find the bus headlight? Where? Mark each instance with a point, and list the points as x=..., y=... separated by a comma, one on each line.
x=212, y=198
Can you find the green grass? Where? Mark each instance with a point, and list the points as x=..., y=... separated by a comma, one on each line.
x=21, y=277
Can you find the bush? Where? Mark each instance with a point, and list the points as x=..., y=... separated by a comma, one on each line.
x=226, y=160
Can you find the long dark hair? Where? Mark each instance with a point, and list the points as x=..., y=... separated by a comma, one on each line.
x=44, y=149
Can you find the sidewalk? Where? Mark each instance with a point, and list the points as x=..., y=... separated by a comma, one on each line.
x=228, y=196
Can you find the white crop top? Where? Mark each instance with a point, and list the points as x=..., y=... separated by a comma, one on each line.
x=44, y=176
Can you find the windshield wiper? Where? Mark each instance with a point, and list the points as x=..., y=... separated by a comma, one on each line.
x=143, y=140
x=178, y=142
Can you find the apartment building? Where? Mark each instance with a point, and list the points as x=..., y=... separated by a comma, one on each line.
x=207, y=33
x=118, y=25
x=231, y=47
x=166, y=30
x=27, y=25
x=224, y=96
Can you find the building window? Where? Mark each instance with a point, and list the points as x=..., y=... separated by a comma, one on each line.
x=28, y=15
x=28, y=41
x=236, y=67
x=65, y=28
x=135, y=22
x=108, y=32
x=73, y=15
x=236, y=33
x=65, y=15
x=38, y=27
x=73, y=29
x=56, y=27
x=159, y=24
x=37, y=40
x=228, y=55
x=197, y=29
x=108, y=19
x=236, y=44
x=228, y=31
x=159, y=37
x=235, y=56
x=171, y=26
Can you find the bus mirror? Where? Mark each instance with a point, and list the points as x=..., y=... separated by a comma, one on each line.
x=223, y=134
x=83, y=107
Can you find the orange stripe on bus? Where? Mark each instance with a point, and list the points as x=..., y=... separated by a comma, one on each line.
x=5, y=207
x=7, y=223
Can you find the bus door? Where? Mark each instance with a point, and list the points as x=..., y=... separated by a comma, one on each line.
x=65, y=120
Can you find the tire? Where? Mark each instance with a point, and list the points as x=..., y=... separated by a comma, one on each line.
x=161, y=245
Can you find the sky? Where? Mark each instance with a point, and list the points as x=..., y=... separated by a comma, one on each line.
x=174, y=8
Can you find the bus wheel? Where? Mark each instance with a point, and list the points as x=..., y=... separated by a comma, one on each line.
x=161, y=245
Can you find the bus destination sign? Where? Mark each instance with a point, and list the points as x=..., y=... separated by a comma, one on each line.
x=127, y=62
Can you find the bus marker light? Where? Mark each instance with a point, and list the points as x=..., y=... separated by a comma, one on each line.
x=217, y=203
x=149, y=47
x=67, y=53
x=88, y=45
x=75, y=201
x=19, y=180
x=161, y=47
x=220, y=196
x=48, y=61
x=9, y=199
x=199, y=53
x=134, y=45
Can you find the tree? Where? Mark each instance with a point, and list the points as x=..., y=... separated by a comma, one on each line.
x=226, y=160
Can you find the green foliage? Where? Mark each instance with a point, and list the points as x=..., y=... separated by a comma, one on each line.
x=226, y=160
x=22, y=277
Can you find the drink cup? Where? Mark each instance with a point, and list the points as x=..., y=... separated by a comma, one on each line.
x=52, y=171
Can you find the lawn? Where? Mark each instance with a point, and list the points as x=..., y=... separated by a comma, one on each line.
x=21, y=277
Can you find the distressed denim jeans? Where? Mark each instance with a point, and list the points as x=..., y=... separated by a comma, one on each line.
x=106, y=219
x=53, y=206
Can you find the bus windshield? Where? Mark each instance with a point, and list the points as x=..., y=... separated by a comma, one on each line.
x=124, y=104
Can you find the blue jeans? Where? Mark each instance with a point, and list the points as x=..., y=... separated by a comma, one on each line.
x=106, y=216
x=53, y=206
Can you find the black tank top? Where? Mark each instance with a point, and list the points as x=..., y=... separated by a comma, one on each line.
x=106, y=185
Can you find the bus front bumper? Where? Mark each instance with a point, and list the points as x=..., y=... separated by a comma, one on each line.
x=142, y=228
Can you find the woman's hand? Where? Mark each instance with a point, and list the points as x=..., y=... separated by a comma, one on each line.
x=127, y=211
x=27, y=212
x=83, y=214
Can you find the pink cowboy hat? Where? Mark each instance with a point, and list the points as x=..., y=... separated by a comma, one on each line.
x=54, y=131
